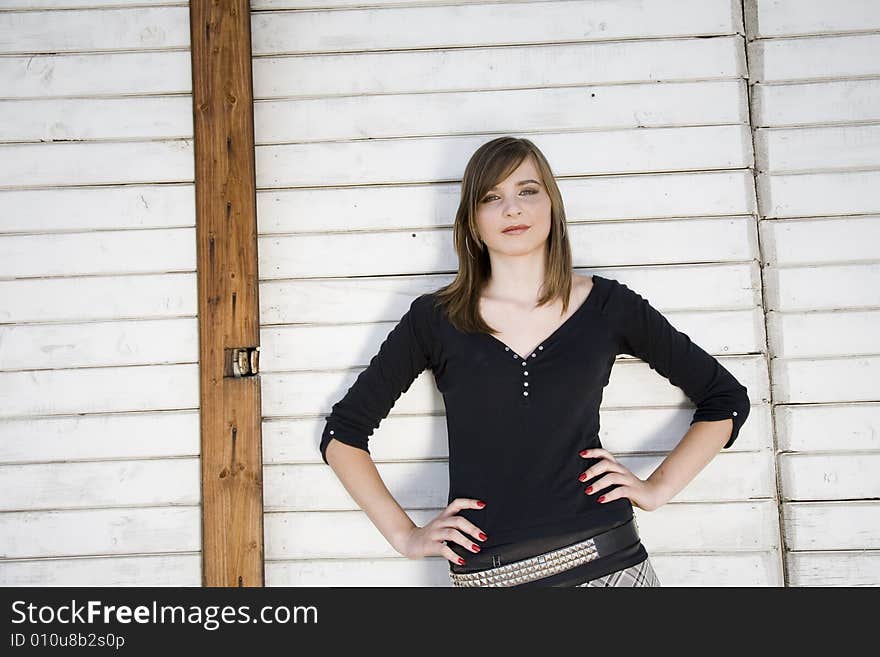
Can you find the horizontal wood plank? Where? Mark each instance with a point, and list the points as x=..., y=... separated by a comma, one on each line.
x=99, y=390
x=465, y=25
x=416, y=437
x=834, y=476
x=817, y=240
x=295, y=348
x=813, y=58
x=846, y=525
x=729, y=477
x=828, y=427
x=99, y=344
x=837, y=568
x=95, y=437
x=135, y=531
x=96, y=298
x=297, y=124
x=481, y=69
x=81, y=119
x=105, y=163
x=636, y=196
x=828, y=287
x=680, y=527
x=300, y=394
x=821, y=334
x=408, y=251
x=85, y=30
x=832, y=193
x=809, y=150
x=838, y=380
x=98, y=208
x=147, y=570
x=83, y=4
x=98, y=74
x=385, y=298
x=816, y=103
x=805, y=17
x=100, y=484
x=694, y=570
x=98, y=253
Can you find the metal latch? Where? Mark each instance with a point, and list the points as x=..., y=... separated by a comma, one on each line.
x=242, y=361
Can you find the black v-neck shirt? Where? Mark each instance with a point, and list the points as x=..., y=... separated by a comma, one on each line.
x=517, y=422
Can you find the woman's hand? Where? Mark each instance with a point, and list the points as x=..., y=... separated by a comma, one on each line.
x=431, y=539
x=642, y=494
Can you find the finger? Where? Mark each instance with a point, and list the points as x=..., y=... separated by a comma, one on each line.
x=460, y=503
x=468, y=527
x=620, y=491
x=598, y=468
x=452, y=534
x=597, y=452
x=450, y=555
x=602, y=483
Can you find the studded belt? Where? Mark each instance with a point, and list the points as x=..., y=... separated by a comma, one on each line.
x=549, y=563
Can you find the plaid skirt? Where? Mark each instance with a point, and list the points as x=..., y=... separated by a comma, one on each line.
x=642, y=574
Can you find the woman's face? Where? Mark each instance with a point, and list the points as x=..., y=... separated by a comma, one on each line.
x=519, y=199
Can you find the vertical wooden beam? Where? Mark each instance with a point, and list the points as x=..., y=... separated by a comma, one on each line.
x=226, y=236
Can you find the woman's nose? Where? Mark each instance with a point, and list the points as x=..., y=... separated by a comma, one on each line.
x=512, y=209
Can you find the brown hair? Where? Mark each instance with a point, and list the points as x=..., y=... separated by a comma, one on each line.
x=489, y=165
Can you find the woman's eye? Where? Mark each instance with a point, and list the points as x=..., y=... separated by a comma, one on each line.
x=491, y=196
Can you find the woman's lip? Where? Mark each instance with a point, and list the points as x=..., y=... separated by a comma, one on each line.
x=516, y=231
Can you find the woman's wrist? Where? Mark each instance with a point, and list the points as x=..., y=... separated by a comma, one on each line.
x=399, y=537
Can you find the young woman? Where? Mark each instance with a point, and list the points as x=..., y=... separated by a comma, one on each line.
x=521, y=348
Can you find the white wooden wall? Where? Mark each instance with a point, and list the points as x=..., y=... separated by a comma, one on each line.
x=815, y=70
x=653, y=115
x=363, y=127
x=99, y=426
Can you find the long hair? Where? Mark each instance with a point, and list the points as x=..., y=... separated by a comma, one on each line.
x=489, y=165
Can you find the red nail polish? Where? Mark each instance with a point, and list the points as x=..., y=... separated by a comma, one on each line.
x=483, y=537
x=590, y=490
x=584, y=453
x=602, y=498
x=475, y=547
x=481, y=504
x=461, y=561
x=582, y=478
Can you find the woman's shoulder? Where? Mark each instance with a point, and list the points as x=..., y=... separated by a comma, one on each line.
x=611, y=296
x=425, y=309
x=593, y=286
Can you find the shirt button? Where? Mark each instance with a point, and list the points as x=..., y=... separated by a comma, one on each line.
x=331, y=431
x=533, y=355
x=506, y=348
x=526, y=372
x=525, y=383
x=734, y=412
x=541, y=347
x=525, y=393
x=524, y=363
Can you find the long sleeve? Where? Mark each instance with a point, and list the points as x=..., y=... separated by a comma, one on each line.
x=402, y=356
x=642, y=331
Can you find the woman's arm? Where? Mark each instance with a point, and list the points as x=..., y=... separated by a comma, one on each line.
x=358, y=474
x=722, y=402
x=642, y=331
x=360, y=477
x=694, y=451
x=404, y=354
